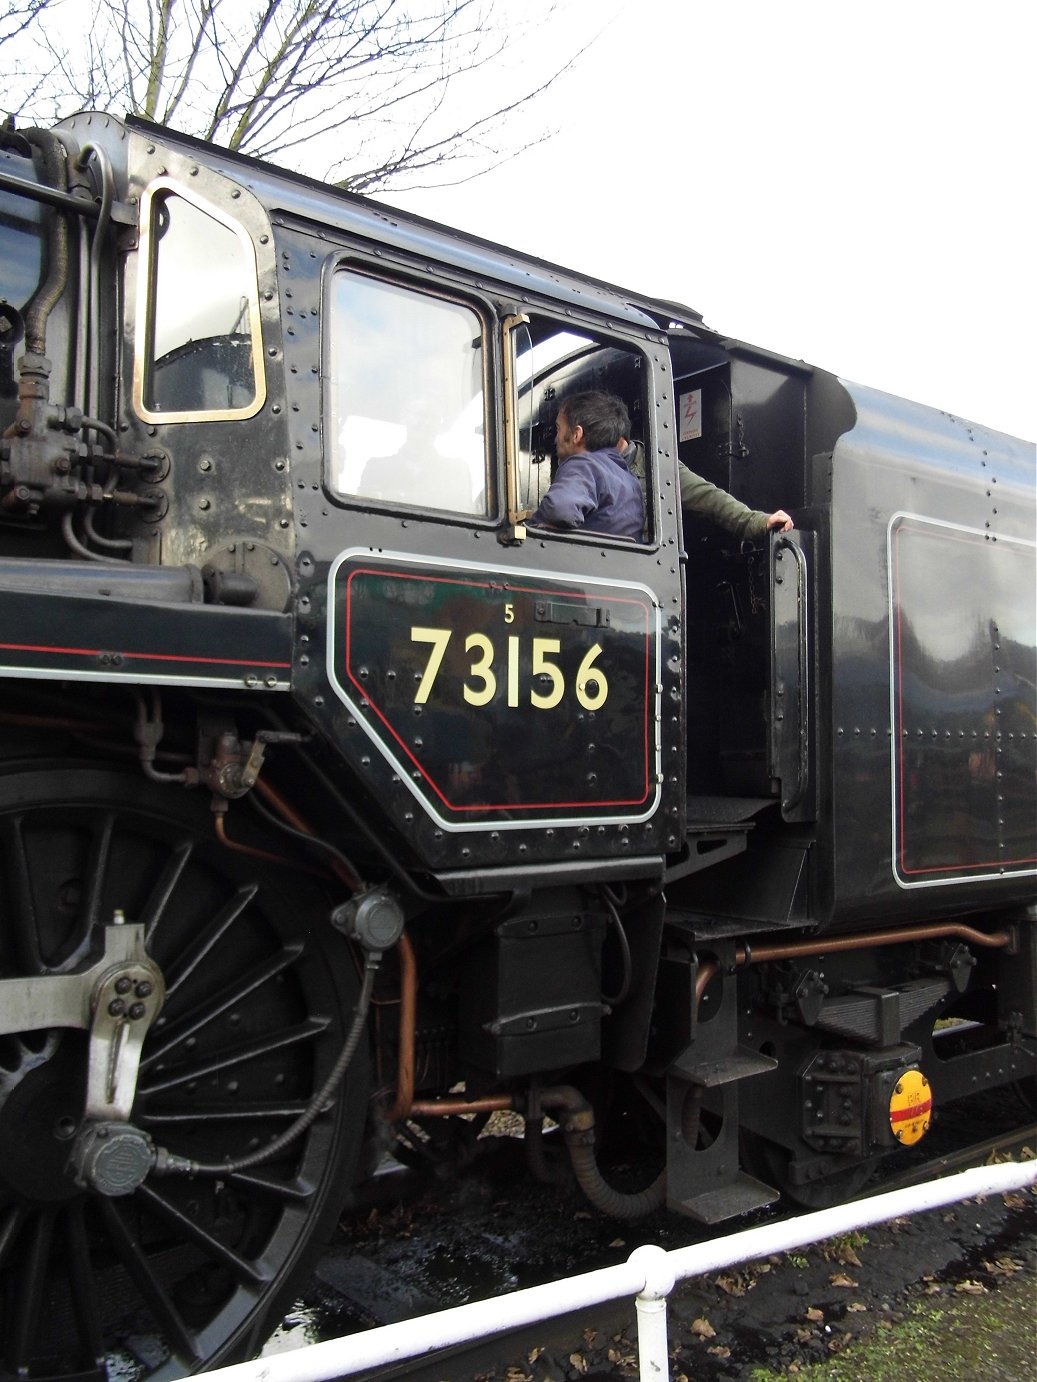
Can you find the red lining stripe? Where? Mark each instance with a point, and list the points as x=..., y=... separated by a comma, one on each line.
x=902, y=1115
x=142, y=657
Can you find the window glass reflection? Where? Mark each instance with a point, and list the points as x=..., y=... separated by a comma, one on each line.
x=200, y=349
x=405, y=397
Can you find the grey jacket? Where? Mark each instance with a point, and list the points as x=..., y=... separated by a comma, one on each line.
x=703, y=497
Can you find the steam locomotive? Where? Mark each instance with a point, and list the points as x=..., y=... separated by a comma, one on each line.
x=340, y=808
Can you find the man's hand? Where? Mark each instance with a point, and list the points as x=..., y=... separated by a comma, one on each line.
x=781, y=521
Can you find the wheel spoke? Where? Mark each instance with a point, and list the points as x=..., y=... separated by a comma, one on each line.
x=31, y=1281
x=296, y=1189
x=20, y=921
x=84, y=1288
x=194, y=1233
x=156, y=906
x=219, y=1113
x=13, y=1219
x=188, y=962
x=262, y=1046
x=192, y=1022
x=97, y=873
x=140, y=1270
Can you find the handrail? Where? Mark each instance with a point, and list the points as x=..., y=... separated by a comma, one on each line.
x=649, y=1274
x=40, y=192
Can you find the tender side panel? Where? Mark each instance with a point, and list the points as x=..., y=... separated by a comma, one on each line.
x=962, y=676
x=927, y=683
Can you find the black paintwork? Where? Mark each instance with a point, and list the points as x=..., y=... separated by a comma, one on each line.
x=586, y=766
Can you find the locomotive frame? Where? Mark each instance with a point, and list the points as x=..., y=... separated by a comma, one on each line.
x=340, y=808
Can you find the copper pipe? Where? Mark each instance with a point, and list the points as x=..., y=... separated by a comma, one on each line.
x=404, y=1101
x=297, y=822
x=933, y=931
x=224, y=839
x=492, y=1103
x=51, y=722
x=408, y=965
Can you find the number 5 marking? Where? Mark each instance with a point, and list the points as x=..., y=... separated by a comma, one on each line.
x=541, y=667
x=439, y=638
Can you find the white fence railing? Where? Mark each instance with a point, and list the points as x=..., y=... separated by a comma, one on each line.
x=648, y=1275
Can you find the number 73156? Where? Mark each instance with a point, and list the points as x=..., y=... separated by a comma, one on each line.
x=480, y=686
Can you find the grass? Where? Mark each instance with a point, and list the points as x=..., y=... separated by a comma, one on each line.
x=944, y=1339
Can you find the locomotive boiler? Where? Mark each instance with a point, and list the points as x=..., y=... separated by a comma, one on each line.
x=341, y=808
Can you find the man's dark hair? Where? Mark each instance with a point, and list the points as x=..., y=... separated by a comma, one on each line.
x=603, y=417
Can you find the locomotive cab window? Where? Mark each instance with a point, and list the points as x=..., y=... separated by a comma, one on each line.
x=405, y=397
x=551, y=363
x=198, y=349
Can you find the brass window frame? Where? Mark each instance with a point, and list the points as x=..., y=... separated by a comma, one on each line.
x=164, y=186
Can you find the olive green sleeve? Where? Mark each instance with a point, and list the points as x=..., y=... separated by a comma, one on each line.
x=714, y=503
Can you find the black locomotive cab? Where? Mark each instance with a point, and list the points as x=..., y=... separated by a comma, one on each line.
x=341, y=803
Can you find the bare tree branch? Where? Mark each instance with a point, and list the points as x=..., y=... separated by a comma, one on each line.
x=371, y=92
x=16, y=18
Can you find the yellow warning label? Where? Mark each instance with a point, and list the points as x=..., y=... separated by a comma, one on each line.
x=910, y=1107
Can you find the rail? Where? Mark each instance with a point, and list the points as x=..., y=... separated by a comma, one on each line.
x=649, y=1274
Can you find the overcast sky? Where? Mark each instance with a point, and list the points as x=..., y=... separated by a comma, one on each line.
x=847, y=184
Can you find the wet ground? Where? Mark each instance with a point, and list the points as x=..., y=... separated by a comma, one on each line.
x=428, y=1246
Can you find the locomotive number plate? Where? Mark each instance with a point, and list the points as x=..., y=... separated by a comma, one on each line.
x=502, y=698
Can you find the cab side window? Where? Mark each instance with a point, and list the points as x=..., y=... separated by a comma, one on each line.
x=552, y=362
x=405, y=397
x=198, y=354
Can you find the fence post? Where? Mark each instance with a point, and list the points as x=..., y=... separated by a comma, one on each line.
x=653, y=1350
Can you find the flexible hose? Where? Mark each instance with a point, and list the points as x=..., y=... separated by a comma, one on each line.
x=168, y=1164
x=50, y=291
x=578, y=1129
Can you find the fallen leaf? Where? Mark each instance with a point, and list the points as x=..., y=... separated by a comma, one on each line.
x=971, y=1288
x=579, y=1362
x=583, y=1214
x=803, y=1335
x=731, y=1285
x=518, y=1375
x=534, y=1354
x=719, y=1351
x=841, y=1279
x=814, y=1314
x=702, y=1329
x=735, y=1283
x=1003, y=1266
x=618, y=1243
x=857, y=1307
x=590, y=1338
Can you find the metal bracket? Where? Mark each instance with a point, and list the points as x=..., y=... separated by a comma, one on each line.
x=116, y=1000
